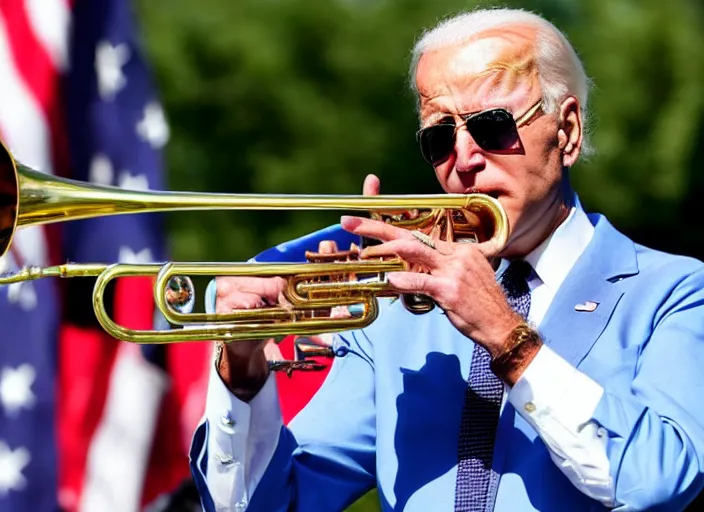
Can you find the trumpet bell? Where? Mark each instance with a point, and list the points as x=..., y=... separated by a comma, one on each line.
x=9, y=199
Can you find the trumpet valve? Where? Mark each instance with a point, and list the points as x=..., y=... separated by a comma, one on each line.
x=180, y=294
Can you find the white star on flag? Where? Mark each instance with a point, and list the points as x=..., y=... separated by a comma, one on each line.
x=12, y=462
x=109, y=61
x=153, y=127
x=21, y=293
x=100, y=172
x=16, y=388
x=127, y=255
x=136, y=182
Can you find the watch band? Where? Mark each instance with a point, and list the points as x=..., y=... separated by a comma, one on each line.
x=520, y=347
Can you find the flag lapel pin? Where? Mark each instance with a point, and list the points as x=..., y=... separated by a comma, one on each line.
x=586, y=307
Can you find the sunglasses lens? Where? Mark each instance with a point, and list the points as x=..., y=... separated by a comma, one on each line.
x=437, y=142
x=493, y=130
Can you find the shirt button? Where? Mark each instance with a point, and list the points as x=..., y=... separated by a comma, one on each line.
x=529, y=407
x=241, y=505
x=601, y=432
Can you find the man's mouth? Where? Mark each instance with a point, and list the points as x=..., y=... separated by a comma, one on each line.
x=491, y=193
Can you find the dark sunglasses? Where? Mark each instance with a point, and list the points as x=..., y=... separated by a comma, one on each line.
x=493, y=130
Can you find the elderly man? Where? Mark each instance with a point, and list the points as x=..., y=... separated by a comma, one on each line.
x=563, y=379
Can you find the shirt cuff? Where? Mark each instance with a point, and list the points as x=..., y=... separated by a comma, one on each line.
x=559, y=401
x=242, y=438
x=551, y=387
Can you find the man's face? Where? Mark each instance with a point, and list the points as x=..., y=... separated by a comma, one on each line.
x=495, y=70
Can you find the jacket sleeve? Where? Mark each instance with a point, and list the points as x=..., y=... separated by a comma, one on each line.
x=656, y=431
x=243, y=458
x=632, y=449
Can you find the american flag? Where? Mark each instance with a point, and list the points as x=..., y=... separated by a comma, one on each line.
x=87, y=423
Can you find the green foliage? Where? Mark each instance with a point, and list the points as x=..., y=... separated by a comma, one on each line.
x=293, y=96
x=308, y=96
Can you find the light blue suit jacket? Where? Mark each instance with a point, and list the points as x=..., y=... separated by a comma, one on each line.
x=389, y=412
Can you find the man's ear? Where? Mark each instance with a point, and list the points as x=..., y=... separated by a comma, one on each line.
x=569, y=133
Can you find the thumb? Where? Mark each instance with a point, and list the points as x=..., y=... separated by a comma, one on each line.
x=372, y=185
x=490, y=248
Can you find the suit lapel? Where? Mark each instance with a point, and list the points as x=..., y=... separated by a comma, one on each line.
x=608, y=258
x=587, y=298
x=569, y=332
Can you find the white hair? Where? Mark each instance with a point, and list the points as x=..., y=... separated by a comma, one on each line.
x=560, y=70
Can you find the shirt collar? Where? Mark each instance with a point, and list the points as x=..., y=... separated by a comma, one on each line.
x=553, y=259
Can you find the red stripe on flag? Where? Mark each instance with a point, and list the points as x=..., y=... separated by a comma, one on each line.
x=31, y=58
x=296, y=391
x=87, y=357
x=42, y=81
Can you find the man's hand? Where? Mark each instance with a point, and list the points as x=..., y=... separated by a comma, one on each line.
x=244, y=365
x=460, y=279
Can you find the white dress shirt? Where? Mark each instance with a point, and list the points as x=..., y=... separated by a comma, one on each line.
x=553, y=396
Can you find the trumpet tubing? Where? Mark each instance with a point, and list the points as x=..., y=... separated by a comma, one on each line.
x=29, y=198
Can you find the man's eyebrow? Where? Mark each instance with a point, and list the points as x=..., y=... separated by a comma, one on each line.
x=500, y=104
x=435, y=117
x=438, y=116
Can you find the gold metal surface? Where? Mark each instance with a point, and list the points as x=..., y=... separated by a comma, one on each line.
x=30, y=198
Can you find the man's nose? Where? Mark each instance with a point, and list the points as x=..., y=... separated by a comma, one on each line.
x=469, y=155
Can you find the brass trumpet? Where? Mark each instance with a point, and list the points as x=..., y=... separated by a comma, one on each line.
x=29, y=198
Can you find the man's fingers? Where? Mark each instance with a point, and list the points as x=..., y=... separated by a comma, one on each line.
x=373, y=228
x=266, y=288
x=272, y=351
x=238, y=300
x=414, y=282
x=411, y=251
x=340, y=312
x=371, y=186
x=327, y=247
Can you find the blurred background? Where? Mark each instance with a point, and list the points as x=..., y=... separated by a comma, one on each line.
x=263, y=96
x=307, y=96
